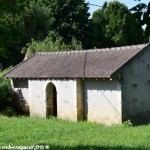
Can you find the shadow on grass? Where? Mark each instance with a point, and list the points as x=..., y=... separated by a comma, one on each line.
x=94, y=148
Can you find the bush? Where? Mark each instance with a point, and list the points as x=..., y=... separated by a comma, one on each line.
x=6, y=93
x=8, y=97
x=50, y=45
x=8, y=111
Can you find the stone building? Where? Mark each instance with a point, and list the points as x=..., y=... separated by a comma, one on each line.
x=100, y=85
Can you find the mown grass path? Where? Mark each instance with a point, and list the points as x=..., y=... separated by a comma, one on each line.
x=62, y=135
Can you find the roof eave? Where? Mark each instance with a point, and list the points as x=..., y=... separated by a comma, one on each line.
x=5, y=75
x=58, y=77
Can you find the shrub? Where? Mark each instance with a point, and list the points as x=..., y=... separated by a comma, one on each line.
x=50, y=45
x=6, y=93
x=9, y=102
x=8, y=111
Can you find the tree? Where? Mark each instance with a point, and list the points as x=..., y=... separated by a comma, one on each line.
x=70, y=19
x=115, y=26
x=11, y=31
x=38, y=21
x=21, y=21
x=142, y=14
x=98, y=23
x=49, y=45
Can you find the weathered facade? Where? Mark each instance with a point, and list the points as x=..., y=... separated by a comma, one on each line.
x=136, y=87
x=105, y=86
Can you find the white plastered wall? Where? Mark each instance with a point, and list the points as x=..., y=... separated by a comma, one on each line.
x=66, y=98
x=102, y=100
x=136, y=87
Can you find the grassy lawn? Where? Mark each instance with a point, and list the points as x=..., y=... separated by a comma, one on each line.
x=62, y=135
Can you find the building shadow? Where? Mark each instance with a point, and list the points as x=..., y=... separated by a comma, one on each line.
x=19, y=103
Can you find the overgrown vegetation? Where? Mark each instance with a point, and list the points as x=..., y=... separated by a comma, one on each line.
x=114, y=25
x=49, y=45
x=6, y=95
x=66, y=24
x=5, y=90
x=22, y=21
x=61, y=135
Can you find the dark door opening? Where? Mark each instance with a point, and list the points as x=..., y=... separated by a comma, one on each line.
x=54, y=102
x=51, y=100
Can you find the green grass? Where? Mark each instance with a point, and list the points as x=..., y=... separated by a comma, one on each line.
x=62, y=135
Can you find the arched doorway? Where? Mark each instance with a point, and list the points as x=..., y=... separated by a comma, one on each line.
x=51, y=100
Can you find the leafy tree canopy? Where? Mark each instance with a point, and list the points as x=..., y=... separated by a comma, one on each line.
x=115, y=26
x=11, y=31
x=21, y=21
x=71, y=19
x=49, y=45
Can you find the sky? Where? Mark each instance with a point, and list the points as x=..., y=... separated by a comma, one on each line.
x=128, y=3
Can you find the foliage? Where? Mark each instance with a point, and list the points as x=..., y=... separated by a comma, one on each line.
x=14, y=32
x=3, y=72
x=63, y=135
x=115, y=26
x=142, y=14
x=98, y=24
x=48, y=45
x=37, y=21
x=5, y=90
x=8, y=111
x=127, y=123
x=66, y=21
x=71, y=19
x=11, y=28
x=22, y=21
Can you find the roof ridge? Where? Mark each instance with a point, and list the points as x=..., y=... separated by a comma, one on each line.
x=96, y=50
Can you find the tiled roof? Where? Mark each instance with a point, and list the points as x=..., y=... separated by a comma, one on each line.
x=95, y=63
